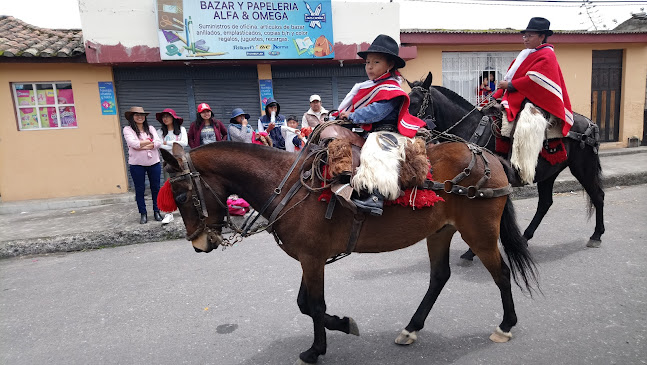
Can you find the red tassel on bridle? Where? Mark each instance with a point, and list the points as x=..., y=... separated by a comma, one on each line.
x=165, y=200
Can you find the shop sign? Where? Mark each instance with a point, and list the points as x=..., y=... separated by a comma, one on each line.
x=107, y=98
x=271, y=29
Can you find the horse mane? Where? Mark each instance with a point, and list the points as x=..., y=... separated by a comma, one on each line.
x=449, y=94
x=454, y=97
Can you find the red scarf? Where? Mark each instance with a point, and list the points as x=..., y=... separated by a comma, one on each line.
x=384, y=88
x=539, y=79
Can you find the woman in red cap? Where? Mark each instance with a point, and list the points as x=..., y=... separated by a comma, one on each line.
x=171, y=132
x=206, y=129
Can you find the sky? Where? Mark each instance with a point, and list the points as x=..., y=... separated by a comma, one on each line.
x=421, y=14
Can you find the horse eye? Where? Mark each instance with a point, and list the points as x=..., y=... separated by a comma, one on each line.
x=181, y=198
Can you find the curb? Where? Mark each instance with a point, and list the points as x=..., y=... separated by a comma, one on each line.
x=102, y=239
x=565, y=186
x=64, y=203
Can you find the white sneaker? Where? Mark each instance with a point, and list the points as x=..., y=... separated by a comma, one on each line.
x=168, y=218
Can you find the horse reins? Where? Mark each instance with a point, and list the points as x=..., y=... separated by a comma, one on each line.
x=427, y=102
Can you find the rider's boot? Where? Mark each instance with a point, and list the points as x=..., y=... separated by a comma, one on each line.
x=373, y=204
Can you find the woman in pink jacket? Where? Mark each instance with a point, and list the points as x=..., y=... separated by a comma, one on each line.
x=143, y=158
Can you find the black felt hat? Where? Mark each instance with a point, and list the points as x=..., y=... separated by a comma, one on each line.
x=385, y=45
x=539, y=25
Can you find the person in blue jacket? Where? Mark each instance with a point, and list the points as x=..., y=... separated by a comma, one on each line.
x=272, y=116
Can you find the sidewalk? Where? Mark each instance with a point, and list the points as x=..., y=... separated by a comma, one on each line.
x=72, y=224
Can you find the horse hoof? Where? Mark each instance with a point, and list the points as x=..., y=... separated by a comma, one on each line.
x=352, y=327
x=406, y=338
x=499, y=336
x=301, y=362
x=468, y=256
x=594, y=243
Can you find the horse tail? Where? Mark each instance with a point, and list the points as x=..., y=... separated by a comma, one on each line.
x=516, y=248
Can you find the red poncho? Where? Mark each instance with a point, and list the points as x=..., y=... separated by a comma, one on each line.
x=539, y=79
x=383, y=88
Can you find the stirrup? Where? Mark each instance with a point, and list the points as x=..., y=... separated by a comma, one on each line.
x=343, y=194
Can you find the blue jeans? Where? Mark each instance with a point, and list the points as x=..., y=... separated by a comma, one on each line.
x=139, y=178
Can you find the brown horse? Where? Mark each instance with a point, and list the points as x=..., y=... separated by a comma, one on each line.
x=202, y=182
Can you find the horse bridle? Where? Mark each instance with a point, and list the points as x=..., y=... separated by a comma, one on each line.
x=195, y=183
x=426, y=102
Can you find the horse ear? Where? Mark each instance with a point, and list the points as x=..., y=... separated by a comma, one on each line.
x=410, y=84
x=178, y=151
x=170, y=159
x=427, y=83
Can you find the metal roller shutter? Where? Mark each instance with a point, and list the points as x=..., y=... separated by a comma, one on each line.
x=156, y=88
x=227, y=88
x=294, y=85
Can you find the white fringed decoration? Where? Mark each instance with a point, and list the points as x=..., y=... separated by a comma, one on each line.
x=379, y=169
x=528, y=142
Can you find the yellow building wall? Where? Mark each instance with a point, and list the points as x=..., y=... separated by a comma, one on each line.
x=634, y=74
x=576, y=63
x=53, y=163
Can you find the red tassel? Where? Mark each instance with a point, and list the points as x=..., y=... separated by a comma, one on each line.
x=165, y=200
x=556, y=152
x=424, y=198
x=325, y=195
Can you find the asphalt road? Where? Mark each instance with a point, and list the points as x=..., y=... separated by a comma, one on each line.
x=161, y=303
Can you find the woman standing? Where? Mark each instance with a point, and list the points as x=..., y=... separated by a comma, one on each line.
x=205, y=129
x=171, y=132
x=143, y=158
x=239, y=128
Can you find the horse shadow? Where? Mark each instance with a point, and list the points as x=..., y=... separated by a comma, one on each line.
x=376, y=348
x=474, y=271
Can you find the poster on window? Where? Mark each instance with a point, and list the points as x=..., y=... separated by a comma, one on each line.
x=25, y=97
x=263, y=29
x=68, y=116
x=65, y=96
x=28, y=118
x=46, y=97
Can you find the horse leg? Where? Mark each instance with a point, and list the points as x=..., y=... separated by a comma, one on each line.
x=589, y=177
x=545, y=193
x=438, y=249
x=333, y=323
x=315, y=305
x=489, y=254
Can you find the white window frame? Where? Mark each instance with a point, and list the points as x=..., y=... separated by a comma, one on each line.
x=38, y=107
x=461, y=70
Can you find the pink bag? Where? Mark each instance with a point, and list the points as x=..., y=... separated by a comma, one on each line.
x=237, y=206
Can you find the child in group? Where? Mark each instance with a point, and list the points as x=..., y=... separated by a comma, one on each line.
x=290, y=133
x=239, y=129
x=170, y=132
x=381, y=106
x=271, y=119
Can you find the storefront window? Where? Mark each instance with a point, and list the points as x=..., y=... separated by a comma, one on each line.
x=42, y=105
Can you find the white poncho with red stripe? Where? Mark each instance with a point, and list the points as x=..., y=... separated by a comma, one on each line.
x=536, y=76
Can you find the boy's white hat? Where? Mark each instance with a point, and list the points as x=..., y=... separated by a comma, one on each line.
x=315, y=97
